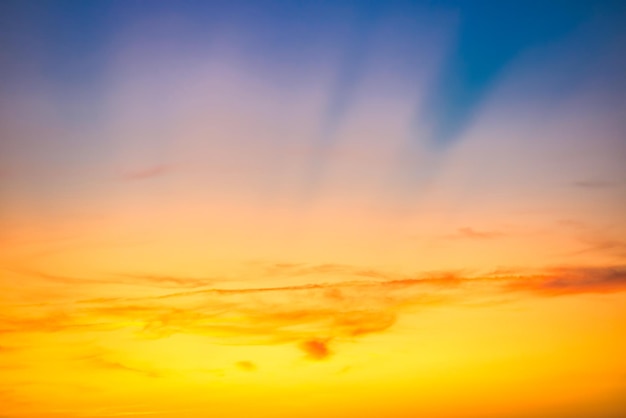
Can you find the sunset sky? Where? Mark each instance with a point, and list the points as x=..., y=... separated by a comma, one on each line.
x=279, y=209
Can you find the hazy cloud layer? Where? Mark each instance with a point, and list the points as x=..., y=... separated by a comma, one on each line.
x=314, y=317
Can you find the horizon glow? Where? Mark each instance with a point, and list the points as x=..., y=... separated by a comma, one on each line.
x=313, y=208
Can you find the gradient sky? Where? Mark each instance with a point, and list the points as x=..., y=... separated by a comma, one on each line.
x=313, y=208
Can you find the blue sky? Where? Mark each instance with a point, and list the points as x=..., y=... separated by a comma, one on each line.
x=67, y=42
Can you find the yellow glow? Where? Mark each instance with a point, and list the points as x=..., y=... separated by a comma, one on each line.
x=207, y=243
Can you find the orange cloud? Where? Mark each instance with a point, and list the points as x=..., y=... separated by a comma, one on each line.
x=567, y=281
x=310, y=316
x=169, y=281
x=602, y=245
x=471, y=233
x=166, y=282
x=316, y=349
x=101, y=360
x=295, y=269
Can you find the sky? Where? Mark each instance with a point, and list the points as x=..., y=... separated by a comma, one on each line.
x=313, y=208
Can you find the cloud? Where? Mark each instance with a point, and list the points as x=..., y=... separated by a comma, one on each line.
x=602, y=245
x=568, y=281
x=169, y=281
x=593, y=184
x=595, y=240
x=147, y=172
x=165, y=282
x=312, y=317
x=471, y=233
x=246, y=366
x=101, y=361
x=47, y=322
x=71, y=280
x=304, y=315
x=299, y=269
x=316, y=349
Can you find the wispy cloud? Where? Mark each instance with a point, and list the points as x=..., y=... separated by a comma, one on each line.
x=158, y=281
x=315, y=317
x=101, y=361
x=129, y=413
x=170, y=281
x=601, y=240
x=471, y=233
x=602, y=245
x=147, y=172
x=300, y=269
x=593, y=184
x=567, y=281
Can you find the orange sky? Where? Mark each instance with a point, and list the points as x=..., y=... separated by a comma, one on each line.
x=192, y=235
